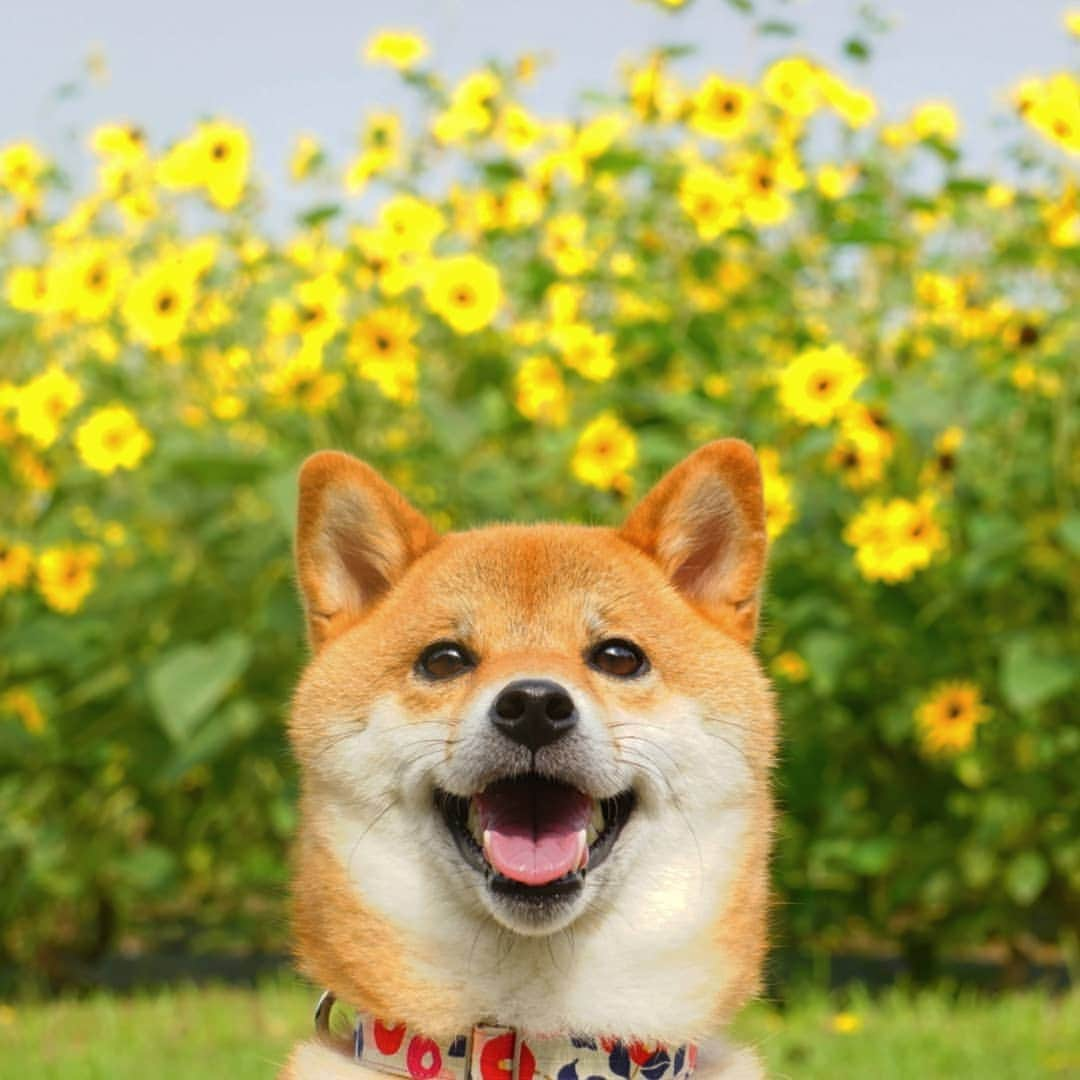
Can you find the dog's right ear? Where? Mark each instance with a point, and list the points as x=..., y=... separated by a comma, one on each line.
x=355, y=536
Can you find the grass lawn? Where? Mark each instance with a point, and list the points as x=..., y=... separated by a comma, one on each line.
x=239, y=1034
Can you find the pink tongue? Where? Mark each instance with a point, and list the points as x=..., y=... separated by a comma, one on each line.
x=534, y=828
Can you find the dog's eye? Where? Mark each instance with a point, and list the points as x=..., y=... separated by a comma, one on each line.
x=444, y=660
x=618, y=657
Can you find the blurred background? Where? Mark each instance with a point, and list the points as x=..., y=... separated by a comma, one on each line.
x=523, y=259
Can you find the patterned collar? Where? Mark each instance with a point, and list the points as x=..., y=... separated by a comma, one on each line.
x=498, y=1053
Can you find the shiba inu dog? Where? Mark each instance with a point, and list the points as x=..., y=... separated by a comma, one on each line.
x=535, y=809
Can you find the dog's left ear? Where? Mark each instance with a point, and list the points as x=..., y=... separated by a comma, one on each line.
x=704, y=523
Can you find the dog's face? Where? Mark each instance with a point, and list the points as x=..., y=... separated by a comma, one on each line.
x=517, y=731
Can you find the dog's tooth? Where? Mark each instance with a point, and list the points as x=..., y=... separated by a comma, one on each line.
x=591, y=834
x=487, y=844
x=473, y=822
x=597, y=821
x=583, y=851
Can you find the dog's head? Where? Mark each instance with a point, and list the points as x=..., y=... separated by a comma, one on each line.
x=534, y=758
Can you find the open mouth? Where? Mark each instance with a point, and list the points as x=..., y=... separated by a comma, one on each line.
x=533, y=837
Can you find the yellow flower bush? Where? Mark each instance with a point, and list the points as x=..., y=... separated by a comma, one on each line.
x=518, y=315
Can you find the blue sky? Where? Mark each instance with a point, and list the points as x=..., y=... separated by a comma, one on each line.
x=285, y=68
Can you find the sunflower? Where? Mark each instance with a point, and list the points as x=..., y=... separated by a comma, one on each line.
x=159, y=302
x=412, y=224
x=112, y=438
x=948, y=717
x=721, y=109
x=398, y=48
x=464, y=291
x=565, y=244
x=818, y=383
x=66, y=576
x=382, y=349
x=43, y=403
x=20, y=702
x=605, y=452
x=16, y=562
x=895, y=539
x=793, y=85
x=710, y=199
x=540, y=393
x=586, y=351
x=776, y=492
x=89, y=280
x=301, y=381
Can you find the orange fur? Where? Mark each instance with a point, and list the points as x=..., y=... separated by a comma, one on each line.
x=682, y=578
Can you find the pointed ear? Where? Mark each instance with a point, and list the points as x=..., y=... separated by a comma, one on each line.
x=704, y=523
x=355, y=537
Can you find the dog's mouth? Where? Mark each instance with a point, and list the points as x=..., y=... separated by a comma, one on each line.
x=533, y=837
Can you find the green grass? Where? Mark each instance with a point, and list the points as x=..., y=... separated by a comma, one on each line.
x=237, y=1034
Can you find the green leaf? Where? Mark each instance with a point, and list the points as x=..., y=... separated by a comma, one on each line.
x=826, y=652
x=146, y=869
x=777, y=28
x=857, y=49
x=236, y=721
x=1031, y=675
x=1069, y=531
x=188, y=682
x=319, y=215
x=1026, y=877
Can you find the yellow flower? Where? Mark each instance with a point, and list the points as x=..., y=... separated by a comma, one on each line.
x=30, y=288
x=834, y=181
x=791, y=666
x=382, y=349
x=941, y=469
x=654, y=94
x=818, y=383
x=43, y=403
x=1071, y=19
x=112, y=438
x=846, y=1023
x=855, y=107
x=893, y=540
x=305, y=157
x=411, y=223
x=605, y=452
x=470, y=111
x=776, y=491
x=158, y=304
x=763, y=181
x=935, y=120
x=710, y=200
x=721, y=108
x=564, y=244
x=88, y=280
x=398, y=48
x=948, y=717
x=302, y=382
x=540, y=393
x=586, y=351
x=793, y=84
x=20, y=702
x=216, y=157
x=518, y=130
x=1052, y=107
x=66, y=576
x=16, y=562
x=863, y=447
x=464, y=291
x=21, y=169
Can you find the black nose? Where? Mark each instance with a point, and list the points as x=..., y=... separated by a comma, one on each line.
x=533, y=712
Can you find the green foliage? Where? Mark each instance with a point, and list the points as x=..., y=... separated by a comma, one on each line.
x=146, y=795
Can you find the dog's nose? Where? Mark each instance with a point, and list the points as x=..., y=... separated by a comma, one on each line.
x=533, y=712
